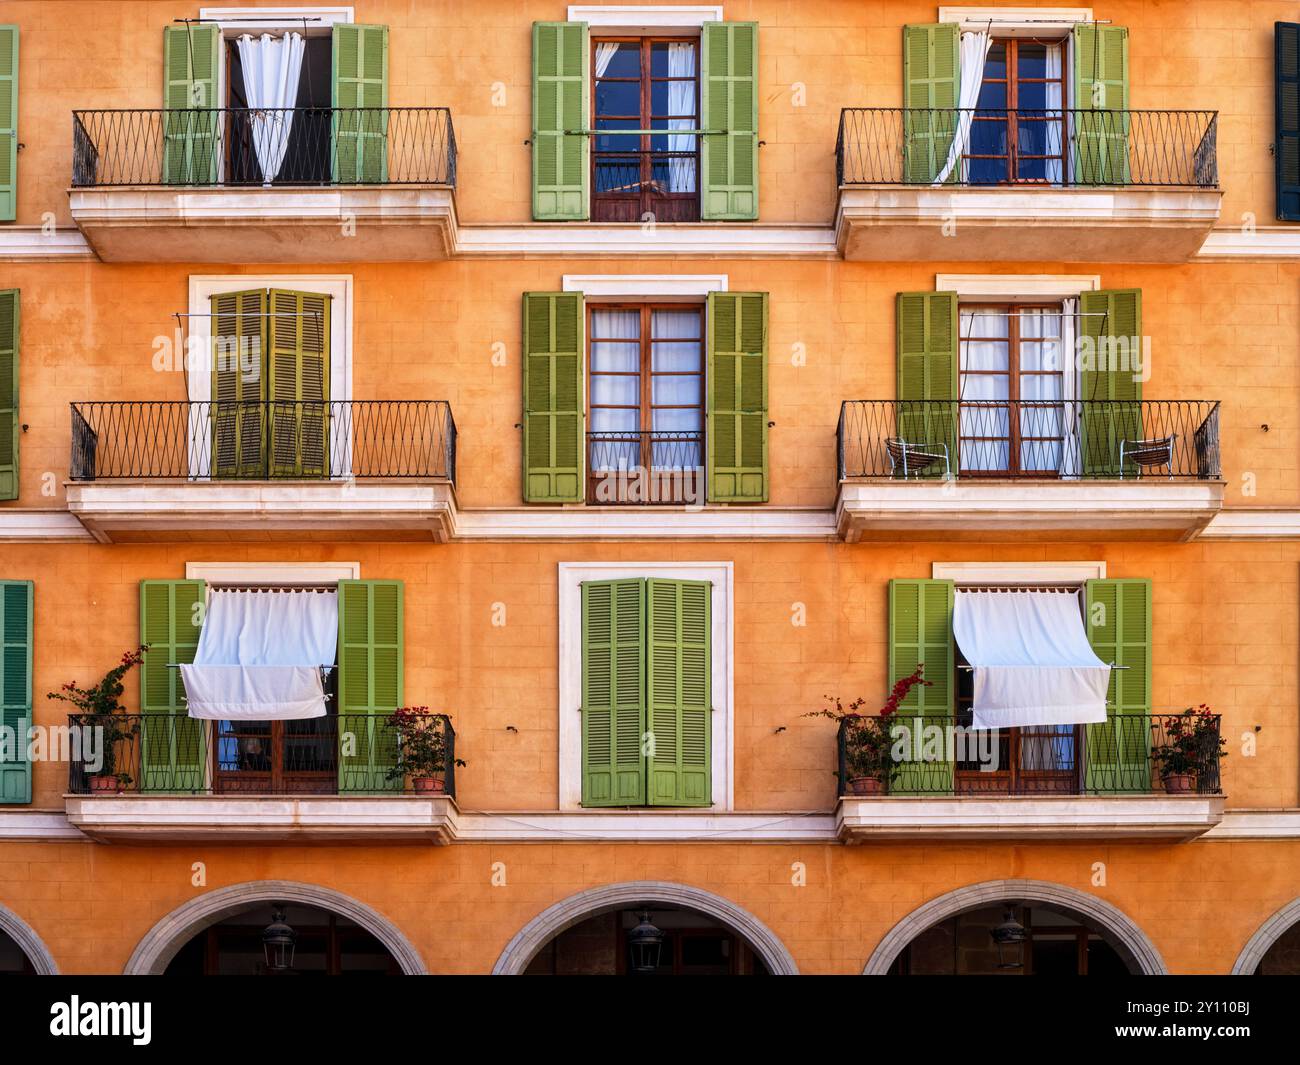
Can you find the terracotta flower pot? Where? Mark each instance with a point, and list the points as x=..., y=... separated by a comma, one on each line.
x=428, y=785
x=104, y=783
x=1180, y=783
x=866, y=786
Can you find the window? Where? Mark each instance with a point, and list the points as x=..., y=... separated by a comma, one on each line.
x=1011, y=388
x=646, y=403
x=641, y=84
x=1016, y=132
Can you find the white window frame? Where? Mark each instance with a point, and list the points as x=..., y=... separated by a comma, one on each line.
x=1017, y=21
x=644, y=18
x=280, y=573
x=689, y=288
x=231, y=20
x=722, y=617
x=1011, y=287
x=1018, y=572
x=198, y=347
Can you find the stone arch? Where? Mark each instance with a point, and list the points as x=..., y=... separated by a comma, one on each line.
x=1265, y=936
x=160, y=944
x=1130, y=941
x=577, y=908
x=28, y=942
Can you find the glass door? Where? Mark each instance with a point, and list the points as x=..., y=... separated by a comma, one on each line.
x=1017, y=130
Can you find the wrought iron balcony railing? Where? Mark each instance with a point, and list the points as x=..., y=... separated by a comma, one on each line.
x=260, y=440
x=232, y=146
x=1067, y=439
x=951, y=147
x=173, y=754
x=1128, y=754
x=645, y=467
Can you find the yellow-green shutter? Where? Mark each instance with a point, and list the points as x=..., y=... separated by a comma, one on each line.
x=360, y=97
x=613, y=692
x=553, y=397
x=1100, y=103
x=561, y=109
x=927, y=324
x=171, y=742
x=8, y=123
x=679, y=702
x=1110, y=382
x=10, y=429
x=920, y=632
x=1118, y=751
x=16, y=598
x=297, y=384
x=930, y=73
x=370, y=664
x=191, y=61
x=729, y=103
x=736, y=393
x=238, y=414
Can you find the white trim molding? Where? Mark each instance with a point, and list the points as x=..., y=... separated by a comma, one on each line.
x=248, y=19
x=644, y=826
x=645, y=286
x=558, y=240
x=571, y=576
x=593, y=523
x=1018, y=572
x=285, y=573
x=41, y=526
x=20, y=244
x=1254, y=523
x=1017, y=21
x=1260, y=244
x=644, y=17
x=1017, y=286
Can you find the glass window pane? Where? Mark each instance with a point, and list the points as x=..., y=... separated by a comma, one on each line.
x=606, y=420
x=676, y=356
x=618, y=174
x=984, y=454
x=678, y=420
x=675, y=173
x=615, y=357
x=672, y=59
x=984, y=416
x=621, y=391
x=993, y=95
x=1032, y=60
x=676, y=390
x=1031, y=96
x=983, y=324
x=996, y=64
x=624, y=63
x=618, y=98
x=675, y=324
x=672, y=98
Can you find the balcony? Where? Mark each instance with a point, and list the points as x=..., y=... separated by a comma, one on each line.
x=349, y=185
x=1094, y=781
x=1099, y=186
x=157, y=471
x=1060, y=470
x=159, y=777
x=645, y=468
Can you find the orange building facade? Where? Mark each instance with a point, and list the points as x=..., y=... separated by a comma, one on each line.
x=627, y=380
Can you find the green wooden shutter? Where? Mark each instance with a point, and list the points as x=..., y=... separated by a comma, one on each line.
x=237, y=413
x=736, y=392
x=553, y=397
x=729, y=101
x=359, y=95
x=1118, y=751
x=930, y=72
x=298, y=389
x=678, y=692
x=927, y=372
x=613, y=692
x=1286, y=119
x=16, y=686
x=1100, y=104
x=10, y=428
x=920, y=631
x=171, y=742
x=1110, y=384
x=191, y=60
x=370, y=662
x=8, y=123
x=561, y=91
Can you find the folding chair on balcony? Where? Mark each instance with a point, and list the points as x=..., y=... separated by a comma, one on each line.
x=915, y=458
x=1148, y=454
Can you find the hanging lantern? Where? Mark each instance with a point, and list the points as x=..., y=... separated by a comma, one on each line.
x=645, y=942
x=278, y=939
x=1010, y=937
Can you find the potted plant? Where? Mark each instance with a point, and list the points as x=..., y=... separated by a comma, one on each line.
x=422, y=750
x=99, y=708
x=868, y=763
x=1192, y=745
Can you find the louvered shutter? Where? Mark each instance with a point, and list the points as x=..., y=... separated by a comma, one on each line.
x=1118, y=750
x=920, y=632
x=8, y=123
x=16, y=633
x=678, y=692
x=360, y=98
x=298, y=383
x=1100, y=116
x=191, y=122
x=370, y=663
x=172, y=743
x=737, y=397
x=10, y=427
x=238, y=413
x=930, y=75
x=613, y=693
x=1110, y=382
x=927, y=375
x=553, y=397
x=1286, y=119
x=561, y=91
x=729, y=103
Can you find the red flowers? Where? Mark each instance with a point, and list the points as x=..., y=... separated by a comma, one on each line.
x=902, y=689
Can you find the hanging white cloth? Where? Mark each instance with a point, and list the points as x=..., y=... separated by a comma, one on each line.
x=1033, y=663
x=259, y=656
x=681, y=101
x=972, y=53
x=605, y=53
x=271, y=66
x=1055, y=126
x=1071, y=453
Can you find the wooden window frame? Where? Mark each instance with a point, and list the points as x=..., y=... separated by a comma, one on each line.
x=646, y=198
x=1010, y=119
x=1014, y=341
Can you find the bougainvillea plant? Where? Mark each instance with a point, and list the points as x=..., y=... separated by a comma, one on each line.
x=867, y=738
x=1192, y=743
x=99, y=706
x=422, y=747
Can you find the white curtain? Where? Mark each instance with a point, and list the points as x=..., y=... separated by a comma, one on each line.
x=1071, y=454
x=271, y=68
x=676, y=382
x=616, y=383
x=1055, y=127
x=1033, y=663
x=974, y=50
x=984, y=414
x=681, y=101
x=259, y=655
x=1041, y=413
x=605, y=53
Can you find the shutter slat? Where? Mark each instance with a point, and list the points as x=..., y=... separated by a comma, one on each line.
x=920, y=632
x=737, y=397
x=561, y=91
x=553, y=459
x=729, y=101
x=370, y=683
